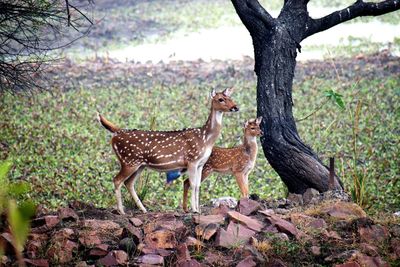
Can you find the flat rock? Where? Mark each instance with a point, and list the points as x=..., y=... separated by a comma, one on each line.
x=62, y=251
x=267, y=212
x=159, y=251
x=35, y=244
x=100, y=250
x=133, y=232
x=189, y=263
x=182, y=253
x=44, y=224
x=208, y=219
x=161, y=239
x=150, y=259
x=247, y=262
x=66, y=214
x=136, y=222
x=234, y=235
x=369, y=249
x=251, y=223
x=37, y=262
x=247, y=206
x=283, y=225
x=332, y=234
x=365, y=260
x=344, y=210
x=206, y=231
x=373, y=234
x=220, y=210
x=114, y=258
x=104, y=228
x=89, y=238
x=167, y=222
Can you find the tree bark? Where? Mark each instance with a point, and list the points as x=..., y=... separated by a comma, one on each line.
x=276, y=42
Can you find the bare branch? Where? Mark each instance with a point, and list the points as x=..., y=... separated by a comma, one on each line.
x=358, y=9
x=253, y=15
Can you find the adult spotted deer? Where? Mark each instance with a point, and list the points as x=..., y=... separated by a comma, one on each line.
x=182, y=150
x=238, y=161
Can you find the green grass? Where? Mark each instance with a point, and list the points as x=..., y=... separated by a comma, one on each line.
x=58, y=147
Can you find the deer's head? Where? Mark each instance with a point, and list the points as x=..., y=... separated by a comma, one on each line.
x=252, y=127
x=223, y=102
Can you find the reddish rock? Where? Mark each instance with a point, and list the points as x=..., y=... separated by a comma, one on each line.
x=89, y=238
x=267, y=212
x=251, y=223
x=220, y=210
x=136, y=222
x=247, y=206
x=193, y=242
x=159, y=251
x=283, y=225
x=120, y=256
x=395, y=244
x=304, y=221
x=373, y=234
x=206, y=231
x=108, y=260
x=67, y=214
x=44, y=224
x=150, y=259
x=317, y=224
x=161, y=239
x=344, y=210
x=247, y=262
x=65, y=233
x=207, y=219
x=6, y=243
x=134, y=232
x=37, y=262
x=104, y=228
x=100, y=250
x=234, y=235
x=182, y=254
x=369, y=249
x=276, y=263
x=364, y=260
x=348, y=264
x=62, y=251
x=35, y=245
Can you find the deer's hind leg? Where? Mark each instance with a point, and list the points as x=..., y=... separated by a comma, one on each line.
x=130, y=184
x=124, y=174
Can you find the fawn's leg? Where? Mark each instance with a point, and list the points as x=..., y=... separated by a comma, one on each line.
x=130, y=184
x=240, y=180
x=123, y=174
x=186, y=184
x=192, y=172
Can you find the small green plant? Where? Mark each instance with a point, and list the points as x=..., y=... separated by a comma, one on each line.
x=18, y=214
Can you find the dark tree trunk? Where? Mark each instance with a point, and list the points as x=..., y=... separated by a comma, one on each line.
x=276, y=42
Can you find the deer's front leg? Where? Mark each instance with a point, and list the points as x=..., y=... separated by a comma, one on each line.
x=241, y=181
x=193, y=174
x=198, y=183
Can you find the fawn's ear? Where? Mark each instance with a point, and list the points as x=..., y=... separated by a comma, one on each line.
x=246, y=124
x=258, y=120
x=228, y=91
x=213, y=93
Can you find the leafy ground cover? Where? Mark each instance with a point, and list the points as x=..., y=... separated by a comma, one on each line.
x=58, y=147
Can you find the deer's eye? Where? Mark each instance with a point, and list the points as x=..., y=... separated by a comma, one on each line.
x=221, y=100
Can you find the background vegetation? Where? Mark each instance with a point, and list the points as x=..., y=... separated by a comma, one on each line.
x=57, y=146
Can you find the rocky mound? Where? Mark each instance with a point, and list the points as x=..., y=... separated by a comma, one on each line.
x=303, y=230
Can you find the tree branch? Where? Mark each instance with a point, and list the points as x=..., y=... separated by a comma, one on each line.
x=253, y=15
x=358, y=9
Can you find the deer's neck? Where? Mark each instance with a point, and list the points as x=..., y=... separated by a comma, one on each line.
x=213, y=126
x=250, y=145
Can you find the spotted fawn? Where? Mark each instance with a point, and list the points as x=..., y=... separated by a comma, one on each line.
x=184, y=150
x=239, y=160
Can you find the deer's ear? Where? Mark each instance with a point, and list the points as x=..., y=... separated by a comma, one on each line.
x=228, y=91
x=213, y=93
x=246, y=124
x=259, y=120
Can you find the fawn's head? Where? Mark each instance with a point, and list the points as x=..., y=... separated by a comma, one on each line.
x=252, y=127
x=223, y=102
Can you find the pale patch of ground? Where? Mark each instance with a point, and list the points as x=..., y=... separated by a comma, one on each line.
x=235, y=43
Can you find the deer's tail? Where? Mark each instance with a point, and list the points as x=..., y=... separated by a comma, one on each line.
x=107, y=124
